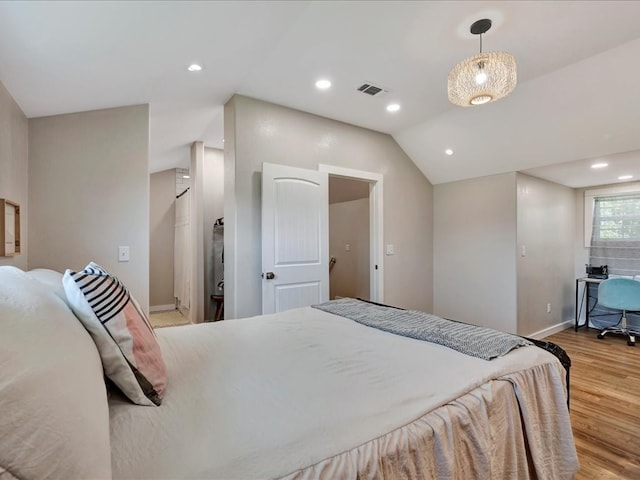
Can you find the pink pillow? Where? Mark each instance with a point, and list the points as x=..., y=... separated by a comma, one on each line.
x=131, y=356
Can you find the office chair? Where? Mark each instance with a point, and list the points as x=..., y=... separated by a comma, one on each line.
x=620, y=294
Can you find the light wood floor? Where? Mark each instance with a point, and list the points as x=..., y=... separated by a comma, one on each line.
x=167, y=319
x=605, y=403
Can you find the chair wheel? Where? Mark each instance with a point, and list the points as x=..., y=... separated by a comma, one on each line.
x=600, y=336
x=630, y=343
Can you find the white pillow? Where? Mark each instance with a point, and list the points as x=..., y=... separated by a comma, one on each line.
x=130, y=352
x=51, y=279
x=54, y=416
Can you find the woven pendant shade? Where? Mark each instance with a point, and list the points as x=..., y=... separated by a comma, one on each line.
x=483, y=78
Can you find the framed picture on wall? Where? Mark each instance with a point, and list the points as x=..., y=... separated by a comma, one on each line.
x=9, y=228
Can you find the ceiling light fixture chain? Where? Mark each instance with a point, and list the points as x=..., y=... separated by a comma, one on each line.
x=483, y=78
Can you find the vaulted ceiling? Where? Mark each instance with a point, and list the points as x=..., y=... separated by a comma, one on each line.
x=576, y=101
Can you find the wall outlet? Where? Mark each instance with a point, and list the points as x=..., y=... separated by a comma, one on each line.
x=389, y=249
x=123, y=254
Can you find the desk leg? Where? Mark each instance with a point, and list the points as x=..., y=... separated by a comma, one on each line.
x=586, y=305
x=577, y=306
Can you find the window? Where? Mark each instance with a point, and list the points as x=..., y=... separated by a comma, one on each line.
x=623, y=190
x=615, y=232
x=617, y=218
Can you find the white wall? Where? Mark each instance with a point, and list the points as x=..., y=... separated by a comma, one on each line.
x=349, y=225
x=257, y=132
x=546, y=226
x=581, y=253
x=230, y=212
x=475, y=251
x=14, y=169
x=162, y=219
x=196, y=224
x=89, y=193
x=481, y=275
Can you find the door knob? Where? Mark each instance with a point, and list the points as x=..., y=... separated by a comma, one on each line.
x=269, y=275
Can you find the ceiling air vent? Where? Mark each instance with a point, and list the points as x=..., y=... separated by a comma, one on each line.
x=371, y=89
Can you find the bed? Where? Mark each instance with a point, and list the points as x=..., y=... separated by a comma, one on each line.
x=302, y=394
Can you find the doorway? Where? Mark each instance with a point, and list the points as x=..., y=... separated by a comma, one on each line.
x=355, y=233
x=189, y=281
x=349, y=241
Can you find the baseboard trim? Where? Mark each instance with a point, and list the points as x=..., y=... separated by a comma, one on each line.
x=162, y=308
x=545, y=332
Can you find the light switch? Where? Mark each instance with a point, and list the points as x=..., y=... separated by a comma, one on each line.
x=123, y=254
x=389, y=249
x=523, y=251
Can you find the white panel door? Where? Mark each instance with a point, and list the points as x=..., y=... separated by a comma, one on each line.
x=295, y=237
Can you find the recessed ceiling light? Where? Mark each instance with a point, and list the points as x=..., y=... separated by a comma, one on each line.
x=625, y=177
x=393, y=107
x=194, y=67
x=599, y=165
x=448, y=151
x=323, y=84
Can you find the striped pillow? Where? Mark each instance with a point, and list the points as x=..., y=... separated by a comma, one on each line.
x=130, y=353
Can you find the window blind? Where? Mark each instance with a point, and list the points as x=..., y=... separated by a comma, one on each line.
x=615, y=240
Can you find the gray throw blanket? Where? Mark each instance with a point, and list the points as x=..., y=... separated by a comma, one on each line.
x=471, y=340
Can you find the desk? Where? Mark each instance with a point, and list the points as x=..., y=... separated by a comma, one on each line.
x=581, y=300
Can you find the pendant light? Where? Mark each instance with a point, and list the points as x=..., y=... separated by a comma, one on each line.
x=483, y=78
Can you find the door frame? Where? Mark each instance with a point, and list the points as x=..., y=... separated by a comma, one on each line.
x=376, y=238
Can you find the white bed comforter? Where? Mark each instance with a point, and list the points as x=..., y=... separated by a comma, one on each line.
x=307, y=394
